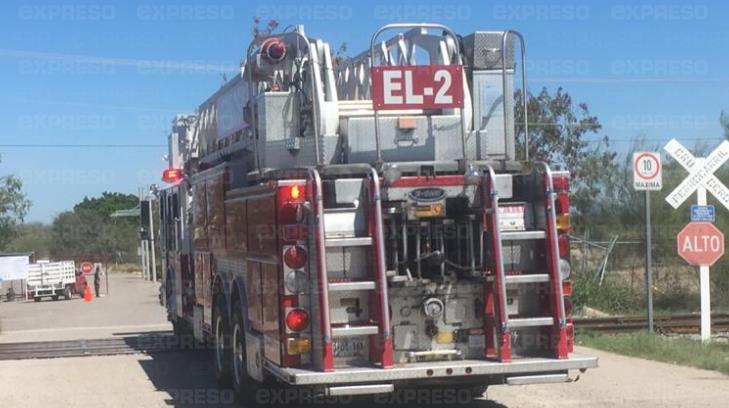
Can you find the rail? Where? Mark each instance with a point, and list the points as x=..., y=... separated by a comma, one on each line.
x=667, y=324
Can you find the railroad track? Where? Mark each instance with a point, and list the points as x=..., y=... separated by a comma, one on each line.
x=668, y=324
x=158, y=343
x=146, y=343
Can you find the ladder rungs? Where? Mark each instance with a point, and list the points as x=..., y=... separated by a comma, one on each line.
x=348, y=286
x=530, y=322
x=355, y=331
x=532, y=278
x=349, y=242
x=522, y=235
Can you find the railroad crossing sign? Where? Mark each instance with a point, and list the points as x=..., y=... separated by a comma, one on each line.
x=701, y=173
x=647, y=171
x=87, y=267
x=700, y=243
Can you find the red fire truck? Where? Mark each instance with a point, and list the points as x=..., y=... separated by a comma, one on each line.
x=372, y=224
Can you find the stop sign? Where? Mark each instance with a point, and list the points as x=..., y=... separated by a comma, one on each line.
x=700, y=243
x=87, y=267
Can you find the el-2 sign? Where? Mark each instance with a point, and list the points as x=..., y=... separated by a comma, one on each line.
x=700, y=243
x=417, y=87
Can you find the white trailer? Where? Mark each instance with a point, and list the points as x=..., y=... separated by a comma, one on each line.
x=53, y=279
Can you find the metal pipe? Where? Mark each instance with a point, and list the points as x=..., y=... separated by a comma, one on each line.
x=380, y=254
x=496, y=237
x=471, y=249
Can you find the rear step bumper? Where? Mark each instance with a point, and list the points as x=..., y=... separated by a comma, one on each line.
x=433, y=370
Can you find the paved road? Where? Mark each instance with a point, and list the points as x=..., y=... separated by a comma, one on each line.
x=131, y=306
x=184, y=379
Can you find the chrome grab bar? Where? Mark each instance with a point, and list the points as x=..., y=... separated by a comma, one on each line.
x=504, y=39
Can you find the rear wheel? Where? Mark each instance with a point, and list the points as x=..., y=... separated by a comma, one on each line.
x=221, y=337
x=55, y=297
x=67, y=293
x=243, y=385
x=36, y=299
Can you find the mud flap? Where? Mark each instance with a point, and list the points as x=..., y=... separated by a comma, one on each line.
x=254, y=356
x=197, y=323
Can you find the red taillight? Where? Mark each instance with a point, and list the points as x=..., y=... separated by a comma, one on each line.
x=562, y=204
x=297, y=320
x=172, y=175
x=564, y=245
x=295, y=257
x=561, y=183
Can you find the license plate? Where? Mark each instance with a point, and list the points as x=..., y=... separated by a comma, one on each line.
x=349, y=347
x=430, y=210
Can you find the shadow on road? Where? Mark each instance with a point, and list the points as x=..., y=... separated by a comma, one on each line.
x=187, y=376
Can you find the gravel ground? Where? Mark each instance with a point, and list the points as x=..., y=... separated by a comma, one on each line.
x=177, y=379
x=131, y=306
x=184, y=379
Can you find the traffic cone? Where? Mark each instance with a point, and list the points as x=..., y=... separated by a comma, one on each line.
x=87, y=295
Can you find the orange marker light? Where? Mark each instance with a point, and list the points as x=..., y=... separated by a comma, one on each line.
x=295, y=192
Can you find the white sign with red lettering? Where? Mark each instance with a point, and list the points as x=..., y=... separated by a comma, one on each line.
x=417, y=87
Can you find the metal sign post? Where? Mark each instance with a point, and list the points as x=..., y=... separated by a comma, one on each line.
x=701, y=179
x=647, y=176
x=704, y=283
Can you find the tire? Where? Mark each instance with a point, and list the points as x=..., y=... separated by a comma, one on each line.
x=244, y=387
x=67, y=293
x=54, y=297
x=36, y=299
x=222, y=353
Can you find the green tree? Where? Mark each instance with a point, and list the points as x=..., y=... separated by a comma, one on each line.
x=32, y=237
x=89, y=231
x=566, y=135
x=13, y=208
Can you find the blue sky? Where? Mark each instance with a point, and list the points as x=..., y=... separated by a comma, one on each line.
x=88, y=89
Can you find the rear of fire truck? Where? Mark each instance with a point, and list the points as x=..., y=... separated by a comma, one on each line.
x=370, y=225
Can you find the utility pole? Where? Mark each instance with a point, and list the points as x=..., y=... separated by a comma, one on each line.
x=151, y=240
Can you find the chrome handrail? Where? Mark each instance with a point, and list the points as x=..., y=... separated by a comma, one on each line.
x=504, y=38
x=553, y=238
x=498, y=250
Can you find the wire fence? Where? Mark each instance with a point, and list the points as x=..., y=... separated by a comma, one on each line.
x=609, y=272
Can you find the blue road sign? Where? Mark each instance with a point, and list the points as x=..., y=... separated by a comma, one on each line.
x=703, y=213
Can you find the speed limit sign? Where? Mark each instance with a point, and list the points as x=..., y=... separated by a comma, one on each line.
x=647, y=171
